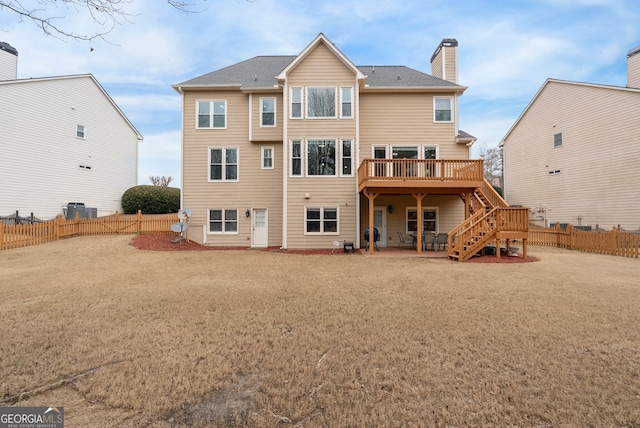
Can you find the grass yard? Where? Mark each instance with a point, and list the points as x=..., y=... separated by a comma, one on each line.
x=125, y=337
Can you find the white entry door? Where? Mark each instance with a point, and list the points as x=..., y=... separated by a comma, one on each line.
x=259, y=236
x=380, y=222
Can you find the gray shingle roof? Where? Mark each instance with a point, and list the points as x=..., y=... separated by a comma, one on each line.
x=260, y=72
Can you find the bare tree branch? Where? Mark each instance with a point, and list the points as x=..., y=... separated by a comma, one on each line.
x=107, y=14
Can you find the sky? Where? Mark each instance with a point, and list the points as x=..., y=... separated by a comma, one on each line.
x=506, y=50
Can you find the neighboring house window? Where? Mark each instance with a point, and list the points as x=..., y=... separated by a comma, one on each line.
x=212, y=114
x=223, y=220
x=321, y=157
x=267, y=158
x=346, y=100
x=223, y=164
x=296, y=103
x=429, y=220
x=321, y=220
x=442, y=109
x=268, y=117
x=347, y=158
x=296, y=158
x=80, y=131
x=321, y=102
x=557, y=140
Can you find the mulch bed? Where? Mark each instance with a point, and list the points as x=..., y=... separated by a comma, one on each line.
x=502, y=259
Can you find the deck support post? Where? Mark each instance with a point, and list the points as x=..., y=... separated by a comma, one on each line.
x=371, y=196
x=419, y=223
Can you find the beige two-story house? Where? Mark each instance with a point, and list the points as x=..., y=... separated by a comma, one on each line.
x=573, y=154
x=302, y=151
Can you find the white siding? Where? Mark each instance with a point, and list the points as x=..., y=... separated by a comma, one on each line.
x=8, y=65
x=41, y=155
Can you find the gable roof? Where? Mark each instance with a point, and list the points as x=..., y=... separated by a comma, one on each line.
x=265, y=73
x=564, y=82
x=75, y=76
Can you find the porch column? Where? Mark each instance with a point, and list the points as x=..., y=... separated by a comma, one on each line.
x=419, y=197
x=372, y=197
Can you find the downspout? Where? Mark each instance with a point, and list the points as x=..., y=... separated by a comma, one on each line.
x=357, y=164
x=285, y=162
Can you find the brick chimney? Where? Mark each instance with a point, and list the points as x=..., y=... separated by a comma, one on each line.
x=8, y=62
x=444, y=61
x=633, y=68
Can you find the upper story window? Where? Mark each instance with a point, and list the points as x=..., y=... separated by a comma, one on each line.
x=347, y=158
x=443, y=107
x=223, y=164
x=80, y=131
x=321, y=102
x=321, y=157
x=267, y=158
x=296, y=158
x=268, y=116
x=557, y=140
x=346, y=101
x=212, y=114
x=296, y=102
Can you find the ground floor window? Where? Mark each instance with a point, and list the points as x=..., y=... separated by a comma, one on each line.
x=223, y=220
x=321, y=220
x=429, y=220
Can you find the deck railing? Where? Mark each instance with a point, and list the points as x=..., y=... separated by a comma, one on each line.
x=435, y=170
x=24, y=235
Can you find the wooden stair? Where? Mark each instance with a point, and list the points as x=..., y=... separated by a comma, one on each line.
x=491, y=219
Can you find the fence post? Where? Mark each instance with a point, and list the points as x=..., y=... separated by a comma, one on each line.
x=613, y=234
x=1, y=235
x=117, y=223
x=139, y=221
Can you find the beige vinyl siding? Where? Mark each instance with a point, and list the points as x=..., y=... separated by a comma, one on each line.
x=258, y=133
x=598, y=160
x=450, y=213
x=437, y=69
x=450, y=64
x=322, y=68
x=256, y=188
x=405, y=119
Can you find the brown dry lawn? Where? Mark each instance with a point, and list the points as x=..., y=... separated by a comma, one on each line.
x=124, y=337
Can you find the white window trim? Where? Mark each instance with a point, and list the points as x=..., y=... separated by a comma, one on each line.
x=224, y=179
x=275, y=109
x=211, y=115
x=302, y=110
x=342, y=101
x=420, y=218
x=427, y=146
x=223, y=232
x=305, y=146
x=84, y=132
x=322, y=208
x=341, y=158
x=450, y=105
x=302, y=156
x=262, y=157
x=335, y=107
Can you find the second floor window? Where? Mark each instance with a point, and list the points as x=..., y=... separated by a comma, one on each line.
x=557, y=140
x=267, y=158
x=347, y=158
x=442, y=109
x=80, y=131
x=321, y=102
x=212, y=114
x=321, y=157
x=296, y=158
x=268, y=116
x=346, y=100
x=223, y=164
x=296, y=103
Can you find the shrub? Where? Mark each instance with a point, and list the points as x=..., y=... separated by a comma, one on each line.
x=151, y=200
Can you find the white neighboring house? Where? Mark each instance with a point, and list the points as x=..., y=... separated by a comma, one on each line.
x=63, y=139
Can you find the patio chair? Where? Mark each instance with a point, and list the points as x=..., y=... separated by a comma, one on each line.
x=428, y=239
x=401, y=241
x=442, y=241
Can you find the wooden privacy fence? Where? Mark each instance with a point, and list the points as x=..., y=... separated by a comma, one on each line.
x=615, y=242
x=24, y=235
